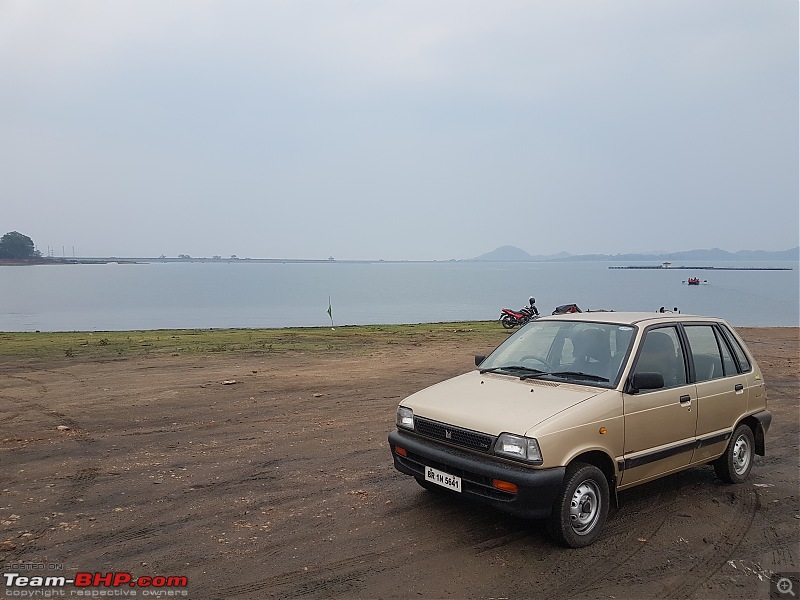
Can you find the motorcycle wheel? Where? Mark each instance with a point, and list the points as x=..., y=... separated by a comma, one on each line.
x=508, y=322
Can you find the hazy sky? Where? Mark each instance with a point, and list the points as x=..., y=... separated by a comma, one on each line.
x=407, y=129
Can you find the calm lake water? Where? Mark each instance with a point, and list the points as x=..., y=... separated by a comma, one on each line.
x=255, y=295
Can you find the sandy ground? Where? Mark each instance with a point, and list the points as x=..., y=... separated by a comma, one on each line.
x=281, y=485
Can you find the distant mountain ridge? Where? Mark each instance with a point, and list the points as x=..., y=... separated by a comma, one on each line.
x=514, y=254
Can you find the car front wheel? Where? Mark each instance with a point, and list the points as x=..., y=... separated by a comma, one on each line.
x=734, y=466
x=581, y=507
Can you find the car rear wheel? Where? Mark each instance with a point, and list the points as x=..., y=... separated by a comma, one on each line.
x=734, y=466
x=581, y=507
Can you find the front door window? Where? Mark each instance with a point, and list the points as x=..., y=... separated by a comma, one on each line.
x=662, y=353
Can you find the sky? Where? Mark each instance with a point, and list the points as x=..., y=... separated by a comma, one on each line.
x=398, y=130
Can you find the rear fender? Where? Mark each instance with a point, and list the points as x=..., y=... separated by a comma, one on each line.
x=760, y=423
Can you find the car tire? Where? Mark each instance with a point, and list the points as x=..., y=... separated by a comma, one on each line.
x=735, y=464
x=581, y=508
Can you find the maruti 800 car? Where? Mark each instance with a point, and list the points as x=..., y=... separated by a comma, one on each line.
x=573, y=408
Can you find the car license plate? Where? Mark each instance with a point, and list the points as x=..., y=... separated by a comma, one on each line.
x=451, y=482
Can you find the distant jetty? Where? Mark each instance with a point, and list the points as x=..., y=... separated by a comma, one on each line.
x=669, y=266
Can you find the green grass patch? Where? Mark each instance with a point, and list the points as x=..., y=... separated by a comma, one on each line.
x=353, y=339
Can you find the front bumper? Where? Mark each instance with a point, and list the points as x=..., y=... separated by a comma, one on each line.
x=536, y=488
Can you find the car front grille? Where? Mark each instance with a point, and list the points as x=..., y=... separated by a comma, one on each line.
x=454, y=435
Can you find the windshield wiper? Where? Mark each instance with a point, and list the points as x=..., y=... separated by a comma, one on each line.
x=529, y=372
x=578, y=374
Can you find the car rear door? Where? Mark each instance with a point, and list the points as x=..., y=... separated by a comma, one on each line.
x=722, y=391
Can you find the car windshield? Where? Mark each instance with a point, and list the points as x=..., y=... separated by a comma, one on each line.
x=582, y=352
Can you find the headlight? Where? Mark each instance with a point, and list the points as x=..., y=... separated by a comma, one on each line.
x=519, y=448
x=405, y=417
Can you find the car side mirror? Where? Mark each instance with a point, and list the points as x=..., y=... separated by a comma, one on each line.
x=479, y=358
x=646, y=381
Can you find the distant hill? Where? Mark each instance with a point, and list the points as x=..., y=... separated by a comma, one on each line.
x=717, y=254
x=514, y=254
x=712, y=255
x=505, y=254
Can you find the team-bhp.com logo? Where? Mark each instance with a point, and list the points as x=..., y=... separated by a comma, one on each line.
x=97, y=584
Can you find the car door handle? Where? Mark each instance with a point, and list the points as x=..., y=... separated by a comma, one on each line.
x=685, y=399
x=738, y=387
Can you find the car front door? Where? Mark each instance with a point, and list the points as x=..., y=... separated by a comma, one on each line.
x=660, y=424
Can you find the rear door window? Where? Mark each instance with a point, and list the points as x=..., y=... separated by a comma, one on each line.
x=706, y=353
x=728, y=363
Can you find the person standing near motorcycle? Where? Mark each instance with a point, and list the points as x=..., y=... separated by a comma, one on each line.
x=533, y=309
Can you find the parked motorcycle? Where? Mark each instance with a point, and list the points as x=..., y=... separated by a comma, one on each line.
x=512, y=318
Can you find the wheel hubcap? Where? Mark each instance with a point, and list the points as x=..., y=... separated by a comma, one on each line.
x=741, y=455
x=584, y=507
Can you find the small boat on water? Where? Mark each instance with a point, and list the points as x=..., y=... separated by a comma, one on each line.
x=693, y=281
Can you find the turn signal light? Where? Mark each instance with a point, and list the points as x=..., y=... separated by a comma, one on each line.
x=400, y=451
x=506, y=486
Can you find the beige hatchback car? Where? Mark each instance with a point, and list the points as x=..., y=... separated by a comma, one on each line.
x=573, y=408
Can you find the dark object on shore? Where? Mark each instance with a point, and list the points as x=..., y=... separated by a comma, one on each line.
x=566, y=309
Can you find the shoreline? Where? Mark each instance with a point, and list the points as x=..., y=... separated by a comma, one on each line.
x=98, y=345
x=139, y=260
x=352, y=339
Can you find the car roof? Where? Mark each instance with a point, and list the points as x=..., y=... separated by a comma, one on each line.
x=630, y=318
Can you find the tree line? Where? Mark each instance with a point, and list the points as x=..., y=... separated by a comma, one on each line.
x=17, y=246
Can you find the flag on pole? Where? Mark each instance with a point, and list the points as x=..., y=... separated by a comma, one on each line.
x=330, y=310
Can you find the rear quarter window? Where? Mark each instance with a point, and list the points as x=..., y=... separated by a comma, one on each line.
x=741, y=355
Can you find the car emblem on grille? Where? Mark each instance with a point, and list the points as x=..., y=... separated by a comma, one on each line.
x=447, y=434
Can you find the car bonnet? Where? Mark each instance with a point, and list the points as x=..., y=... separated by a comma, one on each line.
x=493, y=404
